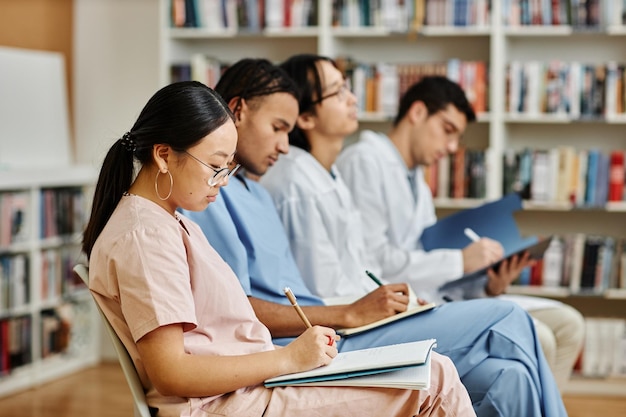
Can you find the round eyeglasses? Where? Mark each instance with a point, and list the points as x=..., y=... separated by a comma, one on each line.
x=220, y=175
x=341, y=93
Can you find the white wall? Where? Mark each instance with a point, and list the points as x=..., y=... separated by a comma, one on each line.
x=116, y=70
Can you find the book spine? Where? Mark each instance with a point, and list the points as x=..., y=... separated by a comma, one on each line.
x=552, y=272
x=616, y=176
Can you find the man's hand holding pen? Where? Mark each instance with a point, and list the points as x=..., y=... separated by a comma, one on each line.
x=484, y=252
x=383, y=302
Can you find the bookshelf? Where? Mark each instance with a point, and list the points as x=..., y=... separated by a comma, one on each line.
x=48, y=325
x=497, y=39
x=594, y=45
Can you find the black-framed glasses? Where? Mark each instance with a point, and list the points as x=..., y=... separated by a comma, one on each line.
x=220, y=174
x=341, y=93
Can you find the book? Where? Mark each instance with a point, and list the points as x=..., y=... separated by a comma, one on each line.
x=411, y=311
x=540, y=190
x=403, y=365
x=616, y=176
x=20, y=216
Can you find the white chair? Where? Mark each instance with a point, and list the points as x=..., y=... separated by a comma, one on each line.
x=139, y=397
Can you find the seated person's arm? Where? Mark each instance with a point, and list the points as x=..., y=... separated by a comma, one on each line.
x=283, y=321
x=174, y=372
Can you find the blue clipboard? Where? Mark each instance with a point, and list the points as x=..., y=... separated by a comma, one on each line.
x=494, y=220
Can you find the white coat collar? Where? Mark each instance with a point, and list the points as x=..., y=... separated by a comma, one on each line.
x=388, y=151
x=300, y=160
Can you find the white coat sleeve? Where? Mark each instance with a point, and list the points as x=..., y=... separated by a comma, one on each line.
x=312, y=248
x=425, y=271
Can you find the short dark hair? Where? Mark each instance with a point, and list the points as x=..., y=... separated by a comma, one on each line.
x=436, y=92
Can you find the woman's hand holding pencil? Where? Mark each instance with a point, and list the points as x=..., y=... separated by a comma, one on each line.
x=316, y=346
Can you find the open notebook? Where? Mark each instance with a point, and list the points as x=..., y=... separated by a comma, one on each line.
x=404, y=365
x=412, y=309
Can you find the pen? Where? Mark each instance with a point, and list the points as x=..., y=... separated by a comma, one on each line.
x=294, y=303
x=373, y=277
x=471, y=234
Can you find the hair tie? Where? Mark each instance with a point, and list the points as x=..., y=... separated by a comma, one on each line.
x=128, y=142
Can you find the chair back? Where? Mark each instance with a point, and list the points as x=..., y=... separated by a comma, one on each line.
x=132, y=378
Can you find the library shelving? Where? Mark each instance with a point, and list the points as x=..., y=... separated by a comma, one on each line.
x=434, y=34
x=48, y=326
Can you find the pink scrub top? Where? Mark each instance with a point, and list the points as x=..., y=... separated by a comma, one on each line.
x=148, y=269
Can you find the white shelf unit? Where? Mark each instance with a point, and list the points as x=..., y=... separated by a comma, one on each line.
x=494, y=131
x=83, y=347
x=551, y=131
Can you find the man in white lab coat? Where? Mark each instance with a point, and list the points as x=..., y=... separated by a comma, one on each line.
x=385, y=176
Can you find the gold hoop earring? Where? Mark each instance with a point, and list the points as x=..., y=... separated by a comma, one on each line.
x=156, y=185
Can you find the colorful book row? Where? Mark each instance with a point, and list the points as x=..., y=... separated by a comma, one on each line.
x=576, y=13
x=62, y=212
x=574, y=89
x=244, y=15
x=584, y=178
x=57, y=277
x=14, y=283
x=15, y=343
x=378, y=87
x=584, y=264
x=393, y=15
x=63, y=330
x=14, y=218
x=460, y=175
x=402, y=16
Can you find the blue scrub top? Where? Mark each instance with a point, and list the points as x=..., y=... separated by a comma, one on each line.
x=242, y=213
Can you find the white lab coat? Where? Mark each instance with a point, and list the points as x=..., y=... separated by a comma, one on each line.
x=394, y=220
x=377, y=177
x=322, y=223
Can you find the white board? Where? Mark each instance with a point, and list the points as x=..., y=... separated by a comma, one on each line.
x=34, y=120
